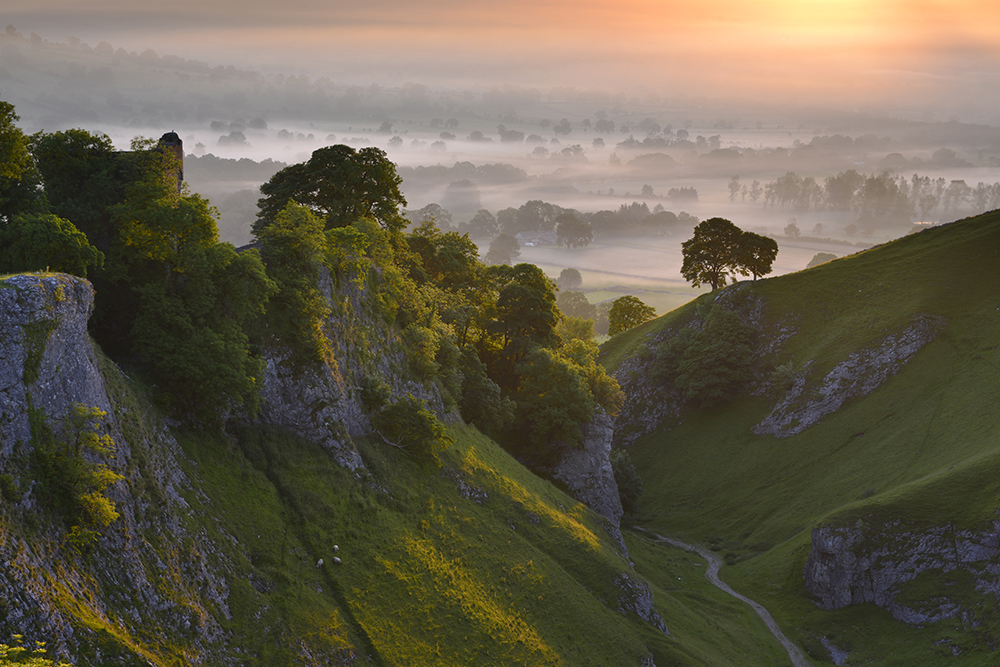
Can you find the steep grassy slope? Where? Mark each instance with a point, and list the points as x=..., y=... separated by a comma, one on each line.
x=478, y=562
x=474, y=562
x=924, y=447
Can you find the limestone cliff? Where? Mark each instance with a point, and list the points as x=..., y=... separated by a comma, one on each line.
x=586, y=470
x=860, y=563
x=47, y=364
x=324, y=402
x=199, y=569
x=45, y=353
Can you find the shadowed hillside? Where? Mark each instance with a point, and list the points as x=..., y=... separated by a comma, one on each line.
x=852, y=466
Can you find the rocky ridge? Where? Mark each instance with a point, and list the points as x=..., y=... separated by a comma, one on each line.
x=857, y=564
x=859, y=375
x=48, y=364
x=324, y=402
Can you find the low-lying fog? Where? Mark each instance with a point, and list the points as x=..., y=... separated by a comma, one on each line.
x=769, y=167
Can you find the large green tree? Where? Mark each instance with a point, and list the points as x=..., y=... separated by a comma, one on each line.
x=18, y=177
x=504, y=249
x=626, y=312
x=553, y=400
x=710, y=256
x=36, y=242
x=195, y=300
x=527, y=314
x=755, y=254
x=85, y=177
x=293, y=249
x=575, y=304
x=573, y=231
x=340, y=184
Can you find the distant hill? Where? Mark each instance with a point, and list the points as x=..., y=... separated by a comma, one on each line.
x=856, y=468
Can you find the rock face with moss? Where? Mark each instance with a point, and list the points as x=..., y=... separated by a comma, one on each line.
x=918, y=575
x=48, y=364
x=46, y=359
x=586, y=471
x=329, y=403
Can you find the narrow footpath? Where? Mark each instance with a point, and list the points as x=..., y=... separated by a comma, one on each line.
x=712, y=574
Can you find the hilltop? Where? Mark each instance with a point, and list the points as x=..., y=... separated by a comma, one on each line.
x=853, y=469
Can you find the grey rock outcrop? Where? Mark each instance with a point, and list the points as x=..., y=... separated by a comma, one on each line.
x=857, y=564
x=47, y=364
x=322, y=402
x=45, y=353
x=314, y=403
x=637, y=598
x=586, y=471
x=859, y=375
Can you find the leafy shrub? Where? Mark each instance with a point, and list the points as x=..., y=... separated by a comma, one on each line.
x=36, y=242
x=408, y=425
x=782, y=378
x=19, y=655
x=711, y=364
x=375, y=391
x=8, y=488
x=69, y=483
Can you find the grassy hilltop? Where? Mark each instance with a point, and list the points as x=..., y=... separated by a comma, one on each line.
x=923, y=448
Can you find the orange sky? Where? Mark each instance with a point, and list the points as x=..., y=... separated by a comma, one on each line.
x=815, y=50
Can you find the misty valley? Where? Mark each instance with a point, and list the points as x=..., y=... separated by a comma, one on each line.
x=305, y=370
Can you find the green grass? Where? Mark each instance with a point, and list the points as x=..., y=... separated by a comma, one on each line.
x=924, y=447
x=710, y=626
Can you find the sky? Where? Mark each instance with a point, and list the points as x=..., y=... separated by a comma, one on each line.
x=854, y=52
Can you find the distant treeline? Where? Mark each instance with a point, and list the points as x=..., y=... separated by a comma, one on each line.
x=876, y=199
x=635, y=219
x=209, y=168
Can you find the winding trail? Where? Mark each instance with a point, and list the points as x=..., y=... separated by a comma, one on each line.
x=712, y=574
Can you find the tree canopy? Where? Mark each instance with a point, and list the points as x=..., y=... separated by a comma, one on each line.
x=18, y=177
x=710, y=364
x=340, y=184
x=35, y=242
x=573, y=231
x=504, y=249
x=720, y=250
x=626, y=312
x=195, y=299
x=755, y=254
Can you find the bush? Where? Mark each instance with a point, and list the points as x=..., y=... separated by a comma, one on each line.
x=69, y=483
x=711, y=364
x=38, y=242
x=8, y=488
x=481, y=402
x=410, y=426
x=18, y=655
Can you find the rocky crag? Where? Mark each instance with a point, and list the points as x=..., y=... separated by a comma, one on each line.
x=859, y=563
x=155, y=577
x=48, y=364
x=325, y=402
x=650, y=405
